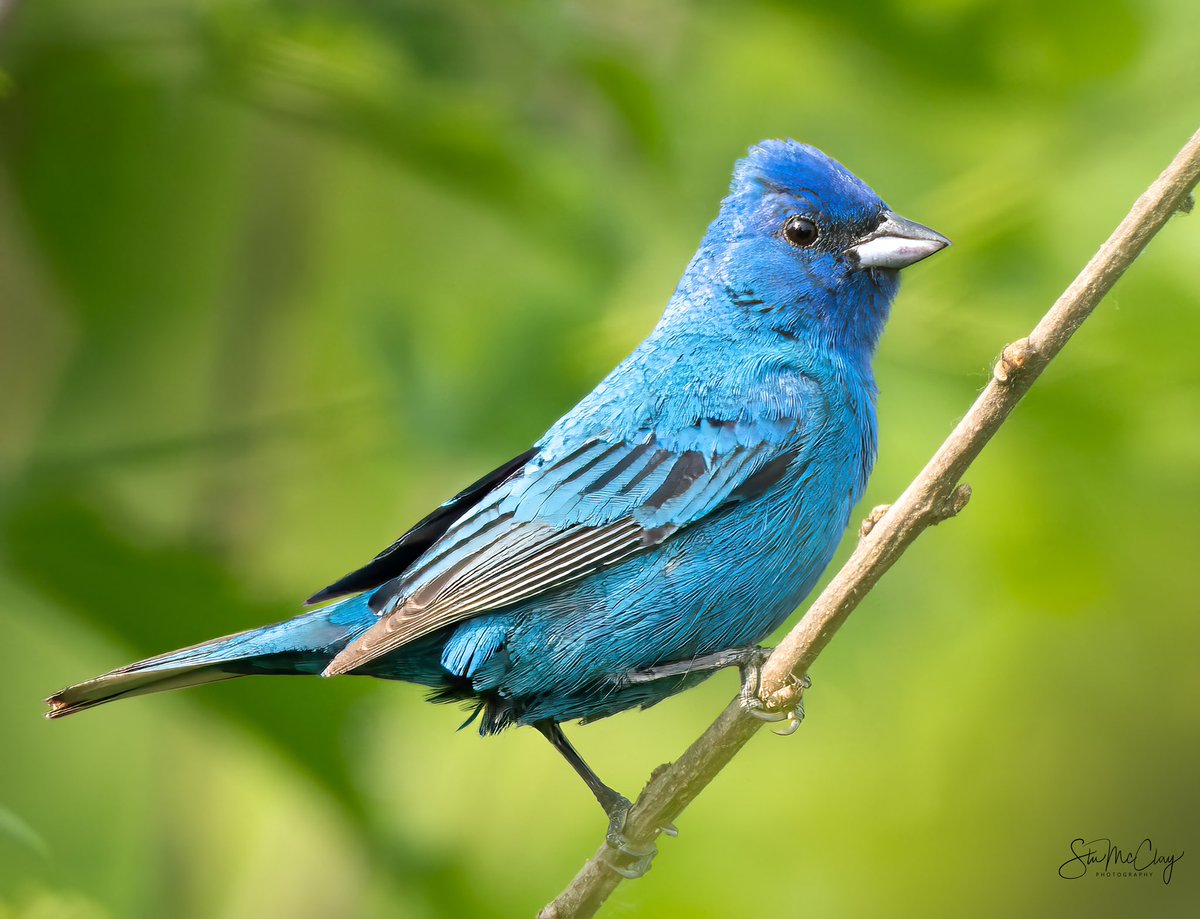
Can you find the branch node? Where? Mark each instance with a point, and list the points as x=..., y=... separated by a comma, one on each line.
x=871, y=519
x=1186, y=205
x=951, y=504
x=1012, y=359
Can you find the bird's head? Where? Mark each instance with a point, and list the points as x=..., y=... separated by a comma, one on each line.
x=805, y=248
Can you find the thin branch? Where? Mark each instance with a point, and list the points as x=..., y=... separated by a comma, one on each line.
x=933, y=496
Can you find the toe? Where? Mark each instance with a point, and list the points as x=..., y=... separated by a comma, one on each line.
x=616, y=837
x=625, y=847
x=631, y=870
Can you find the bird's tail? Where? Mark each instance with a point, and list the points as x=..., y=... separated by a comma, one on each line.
x=303, y=645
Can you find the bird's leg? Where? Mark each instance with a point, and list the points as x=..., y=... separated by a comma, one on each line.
x=615, y=804
x=784, y=704
x=733, y=657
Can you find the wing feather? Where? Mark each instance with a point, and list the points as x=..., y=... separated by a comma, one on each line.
x=562, y=519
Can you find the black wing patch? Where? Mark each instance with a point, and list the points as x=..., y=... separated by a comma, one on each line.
x=393, y=560
x=762, y=479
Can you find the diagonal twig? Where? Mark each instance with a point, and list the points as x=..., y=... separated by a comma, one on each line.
x=934, y=495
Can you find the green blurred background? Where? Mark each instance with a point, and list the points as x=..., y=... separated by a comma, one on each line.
x=276, y=277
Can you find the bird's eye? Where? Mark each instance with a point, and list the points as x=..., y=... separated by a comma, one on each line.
x=800, y=231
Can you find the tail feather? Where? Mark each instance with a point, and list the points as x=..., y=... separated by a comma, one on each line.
x=305, y=644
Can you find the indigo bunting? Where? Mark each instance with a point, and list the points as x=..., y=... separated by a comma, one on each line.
x=664, y=525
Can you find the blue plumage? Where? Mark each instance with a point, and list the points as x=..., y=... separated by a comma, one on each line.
x=681, y=510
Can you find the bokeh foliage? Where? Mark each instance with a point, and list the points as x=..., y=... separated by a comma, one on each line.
x=275, y=277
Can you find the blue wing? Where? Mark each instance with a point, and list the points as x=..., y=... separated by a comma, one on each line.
x=571, y=512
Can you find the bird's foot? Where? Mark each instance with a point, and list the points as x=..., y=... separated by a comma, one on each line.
x=783, y=704
x=631, y=861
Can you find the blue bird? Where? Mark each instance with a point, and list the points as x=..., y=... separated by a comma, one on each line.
x=662, y=527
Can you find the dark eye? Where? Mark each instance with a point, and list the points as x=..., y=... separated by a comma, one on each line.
x=800, y=232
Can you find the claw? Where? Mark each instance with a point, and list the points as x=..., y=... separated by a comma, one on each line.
x=670, y=830
x=786, y=704
x=794, y=718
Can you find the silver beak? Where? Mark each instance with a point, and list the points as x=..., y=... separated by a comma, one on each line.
x=896, y=243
